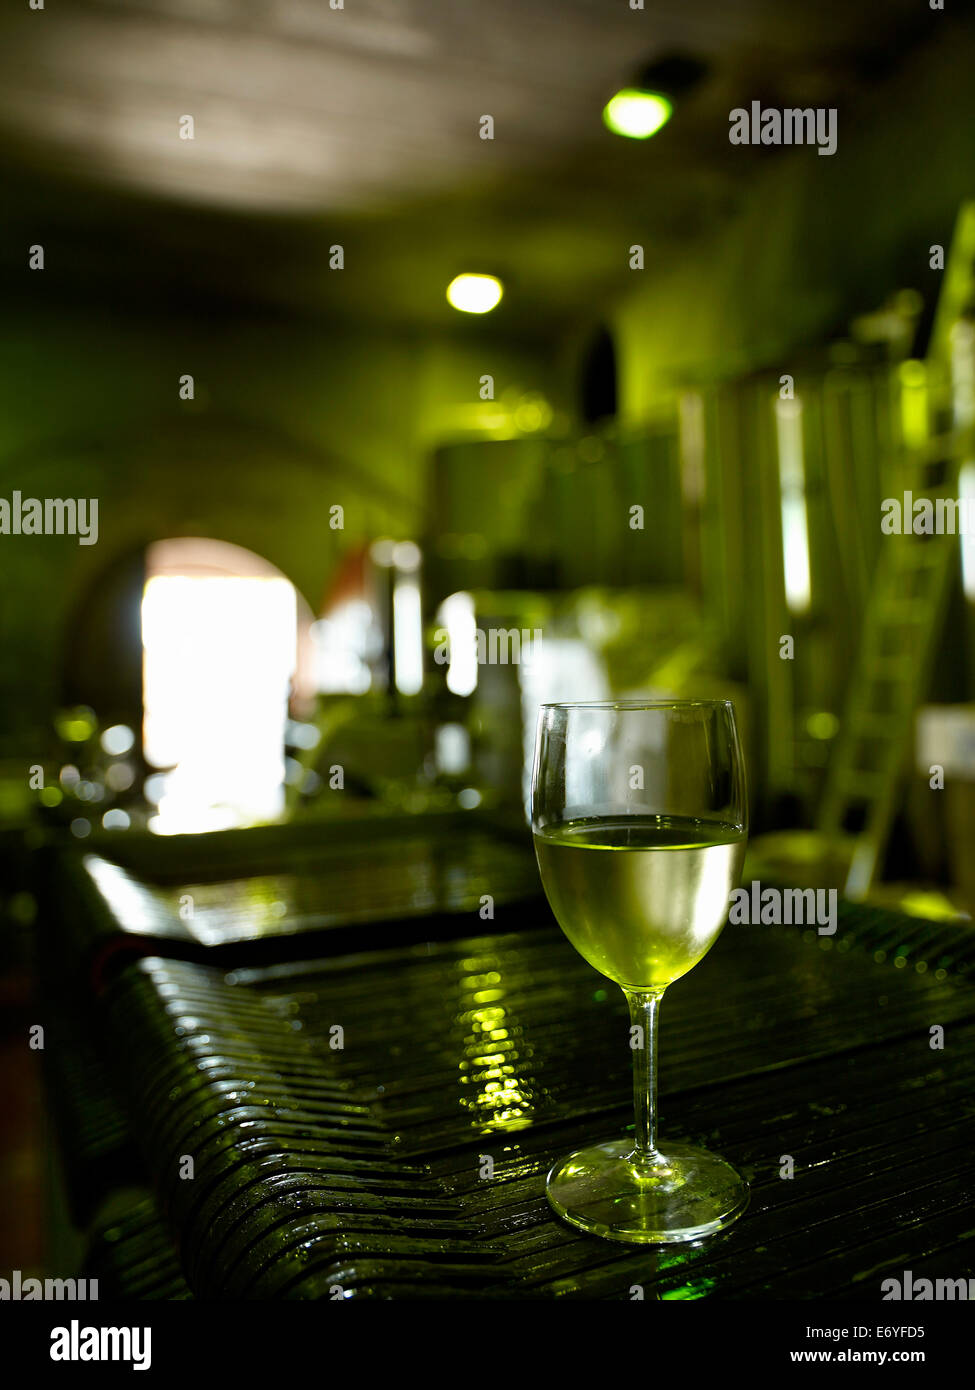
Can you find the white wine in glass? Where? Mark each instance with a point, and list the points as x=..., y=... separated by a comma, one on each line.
x=639, y=820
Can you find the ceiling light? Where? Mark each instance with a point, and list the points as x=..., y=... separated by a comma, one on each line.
x=636, y=114
x=474, y=294
x=640, y=110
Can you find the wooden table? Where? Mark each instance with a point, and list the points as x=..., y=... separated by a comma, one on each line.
x=371, y=1113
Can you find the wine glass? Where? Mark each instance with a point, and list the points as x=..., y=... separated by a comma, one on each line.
x=639, y=819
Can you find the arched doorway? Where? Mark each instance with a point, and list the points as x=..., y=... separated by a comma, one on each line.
x=207, y=648
x=225, y=652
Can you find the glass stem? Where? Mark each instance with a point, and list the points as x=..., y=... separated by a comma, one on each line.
x=644, y=1008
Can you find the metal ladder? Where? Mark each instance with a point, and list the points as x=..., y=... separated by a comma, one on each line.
x=901, y=628
x=904, y=616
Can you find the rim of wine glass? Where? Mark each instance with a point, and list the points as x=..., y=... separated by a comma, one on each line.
x=637, y=704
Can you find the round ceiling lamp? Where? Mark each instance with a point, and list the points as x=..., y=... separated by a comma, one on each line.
x=640, y=110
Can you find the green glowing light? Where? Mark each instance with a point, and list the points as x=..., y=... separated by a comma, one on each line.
x=823, y=725
x=636, y=114
x=76, y=725
x=474, y=294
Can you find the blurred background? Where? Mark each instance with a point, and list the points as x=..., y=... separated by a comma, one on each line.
x=350, y=533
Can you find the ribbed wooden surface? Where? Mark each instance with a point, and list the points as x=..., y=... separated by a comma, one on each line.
x=362, y=1170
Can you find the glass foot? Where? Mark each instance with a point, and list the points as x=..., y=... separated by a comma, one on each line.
x=686, y=1195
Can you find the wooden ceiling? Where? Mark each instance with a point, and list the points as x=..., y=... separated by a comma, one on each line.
x=360, y=125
